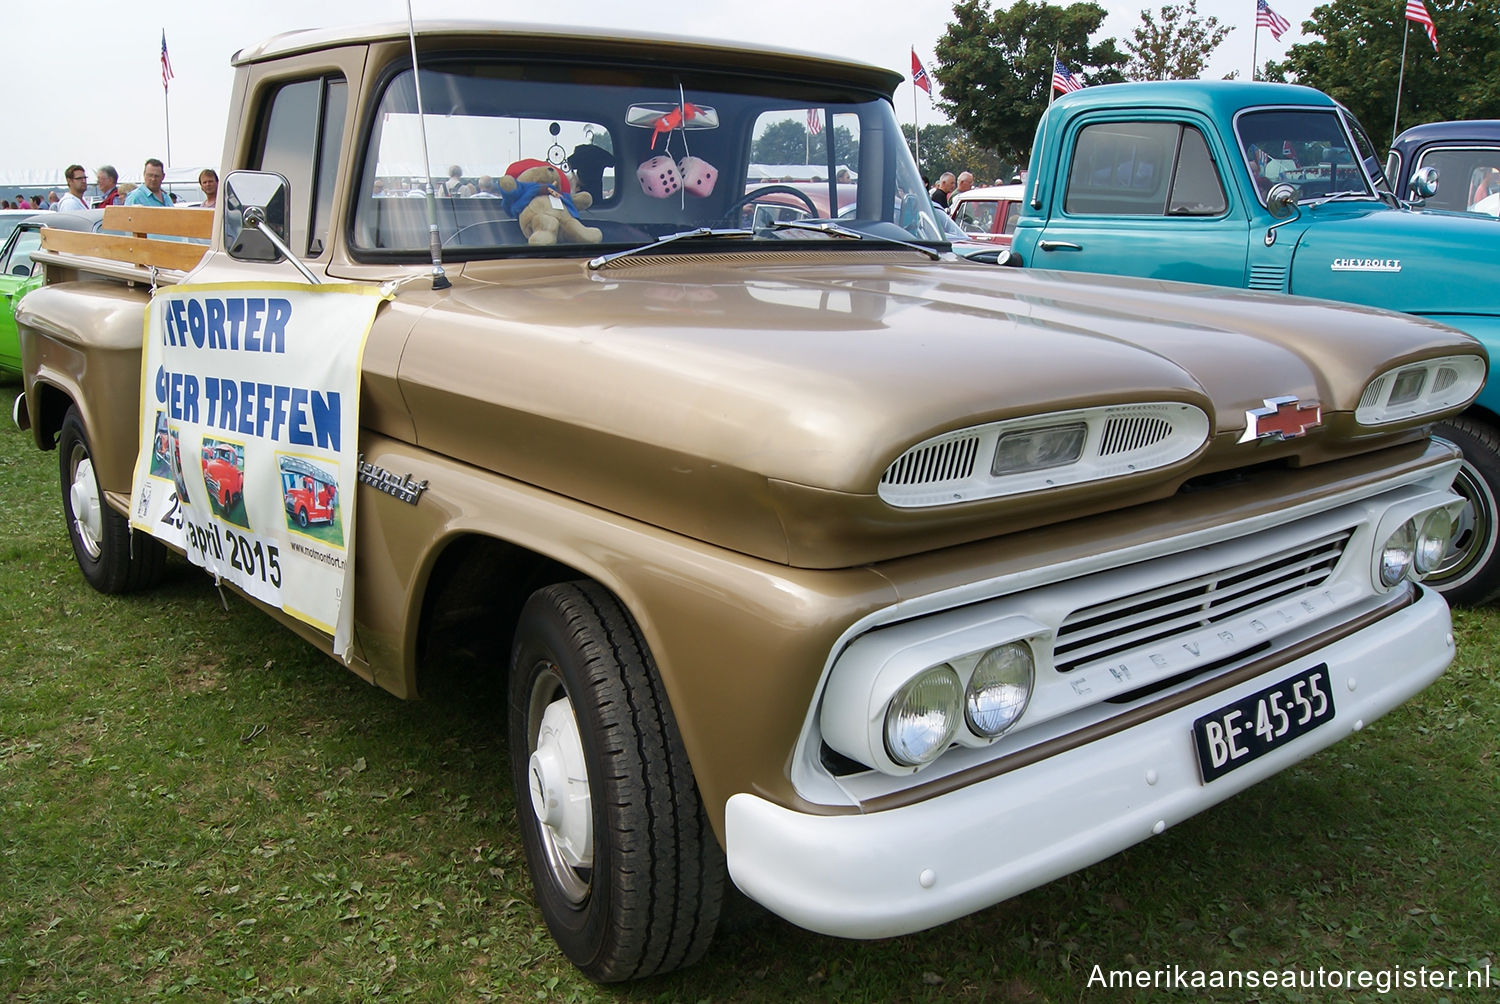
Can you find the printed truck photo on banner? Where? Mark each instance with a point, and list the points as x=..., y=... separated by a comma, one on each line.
x=224, y=477
x=311, y=495
x=249, y=433
x=161, y=449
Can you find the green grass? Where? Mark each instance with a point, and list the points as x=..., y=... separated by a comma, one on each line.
x=196, y=805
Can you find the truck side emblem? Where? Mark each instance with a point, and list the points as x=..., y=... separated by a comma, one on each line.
x=1281, y=418
x=380, y=479
x=1365, y=265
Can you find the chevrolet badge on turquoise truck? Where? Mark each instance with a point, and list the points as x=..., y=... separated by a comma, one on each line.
x=1271, y=187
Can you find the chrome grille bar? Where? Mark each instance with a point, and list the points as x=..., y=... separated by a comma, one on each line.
x=1099, y=631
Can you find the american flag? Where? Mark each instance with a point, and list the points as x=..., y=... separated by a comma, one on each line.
x=919, y=75
x=1062, y=79
x=167, y=62
x=814, y=121
x=1265, y=17
x=1416, y=11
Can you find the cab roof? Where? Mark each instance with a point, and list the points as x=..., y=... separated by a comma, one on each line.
x=555, y=39
x=1217, y=98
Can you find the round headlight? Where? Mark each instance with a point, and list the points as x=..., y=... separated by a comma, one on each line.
x=922, y=718
x=999, y=689
x=1433, y=541
x=1396, y=555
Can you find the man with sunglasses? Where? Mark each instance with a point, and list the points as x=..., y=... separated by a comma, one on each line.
x=78, y=182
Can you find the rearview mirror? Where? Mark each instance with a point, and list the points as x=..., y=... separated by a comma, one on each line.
x=264, y=196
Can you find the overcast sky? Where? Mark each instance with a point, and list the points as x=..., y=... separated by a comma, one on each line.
x=94, y=96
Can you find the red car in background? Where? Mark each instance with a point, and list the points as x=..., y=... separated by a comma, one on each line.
x=988, y=214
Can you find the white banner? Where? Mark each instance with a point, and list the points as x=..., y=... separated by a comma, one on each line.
x=249, y=429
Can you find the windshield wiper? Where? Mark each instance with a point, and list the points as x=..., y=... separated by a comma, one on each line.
x=835, y=230
x=682, y=235
x=1337, y=196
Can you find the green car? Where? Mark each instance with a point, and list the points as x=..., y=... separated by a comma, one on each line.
x=18, y=277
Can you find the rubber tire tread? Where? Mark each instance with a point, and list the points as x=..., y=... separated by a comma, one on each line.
x=1480, y=443
x=128, y=561
x=659, y=871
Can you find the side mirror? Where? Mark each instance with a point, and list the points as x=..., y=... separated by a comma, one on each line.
x=1424, y=182
x=1281, y=201
x=255, y=202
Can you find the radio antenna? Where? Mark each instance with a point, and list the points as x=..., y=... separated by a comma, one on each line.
x=439, y=277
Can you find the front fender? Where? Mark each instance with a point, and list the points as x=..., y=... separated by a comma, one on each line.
x=1485, y=328
x=81, y=344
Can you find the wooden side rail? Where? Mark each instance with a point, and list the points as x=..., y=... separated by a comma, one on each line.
x=143, y=220
x=145, y=223
x=115, y=247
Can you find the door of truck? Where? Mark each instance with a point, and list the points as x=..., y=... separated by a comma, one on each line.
x=1146, y=195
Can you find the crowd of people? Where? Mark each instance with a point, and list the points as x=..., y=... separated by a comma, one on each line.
x=112, y=193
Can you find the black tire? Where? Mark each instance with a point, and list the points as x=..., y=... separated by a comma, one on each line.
x=302, y=518
x=640, y=891
x=112, y=557
x=1470, y=573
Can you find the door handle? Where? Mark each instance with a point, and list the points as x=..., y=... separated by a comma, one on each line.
x=1059, y=246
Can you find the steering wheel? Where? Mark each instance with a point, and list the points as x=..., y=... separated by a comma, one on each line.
x=732, y=212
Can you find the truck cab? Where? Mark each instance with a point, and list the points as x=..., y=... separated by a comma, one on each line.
x=1272, y=187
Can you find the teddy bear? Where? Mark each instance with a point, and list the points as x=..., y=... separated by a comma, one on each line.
x=539, y=198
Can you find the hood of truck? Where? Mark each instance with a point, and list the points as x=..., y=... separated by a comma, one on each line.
x=1419, y=262
x=754, y=401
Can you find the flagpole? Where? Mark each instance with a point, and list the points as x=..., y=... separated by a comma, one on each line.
x=916, y=128
x=1052, y=72
x=1400, y=79
x=1255, y=45
x=167, y=108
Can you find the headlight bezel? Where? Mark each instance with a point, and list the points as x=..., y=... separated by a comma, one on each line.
x=857, y=701
x=1441, y=384
x=1118, y=440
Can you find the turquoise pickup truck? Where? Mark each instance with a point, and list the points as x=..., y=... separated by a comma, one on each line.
x=1272, y=187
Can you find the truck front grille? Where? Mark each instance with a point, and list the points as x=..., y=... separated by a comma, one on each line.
x=1120, y=625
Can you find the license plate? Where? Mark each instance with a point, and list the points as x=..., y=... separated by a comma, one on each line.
x=1255, y=725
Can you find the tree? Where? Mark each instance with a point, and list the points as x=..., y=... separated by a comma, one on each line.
x=949, y=148
x=996, y=66
x=1355, y=56
x=789, y=142
x=1177, y=48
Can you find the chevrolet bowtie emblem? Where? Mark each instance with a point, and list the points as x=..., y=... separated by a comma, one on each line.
x=1281, y=418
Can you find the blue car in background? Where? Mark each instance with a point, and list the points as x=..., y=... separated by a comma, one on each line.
x=1466, y=157
x=1276, y=187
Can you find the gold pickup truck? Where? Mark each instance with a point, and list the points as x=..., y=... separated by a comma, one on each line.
x=882, y=584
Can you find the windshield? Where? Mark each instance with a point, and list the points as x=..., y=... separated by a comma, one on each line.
x=578, y=159
x=1306, y=148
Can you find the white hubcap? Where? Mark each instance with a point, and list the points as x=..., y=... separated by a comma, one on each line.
x=559, y=784
x=83, y=495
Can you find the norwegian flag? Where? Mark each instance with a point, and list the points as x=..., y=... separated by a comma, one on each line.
x=167, y=62
x=1062, y=79
x=814, y=121
x=1416, y=11
x=1265, y=17
x=919, y=75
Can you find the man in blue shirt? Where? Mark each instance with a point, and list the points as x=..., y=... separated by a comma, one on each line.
x=150, y=193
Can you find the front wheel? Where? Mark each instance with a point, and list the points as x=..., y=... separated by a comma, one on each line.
x=628, y=874
x=1470, y=570
x=112, y=557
